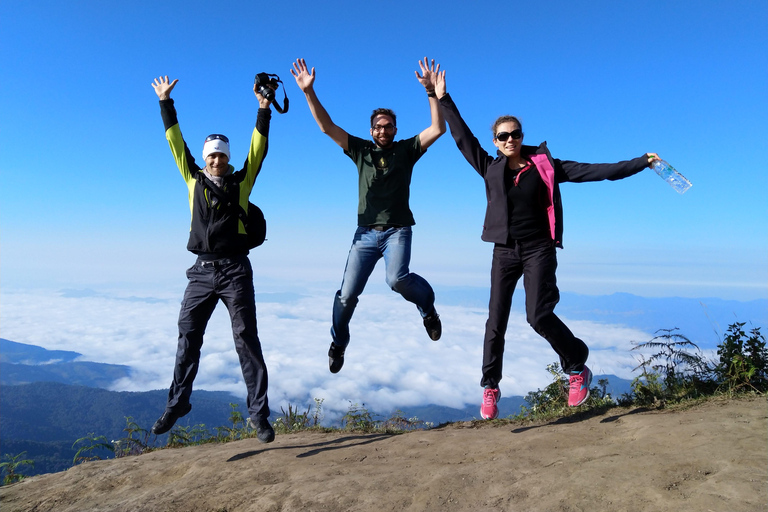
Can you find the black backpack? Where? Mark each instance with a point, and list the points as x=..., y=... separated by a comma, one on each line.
x=253, y=220
x=255, y=225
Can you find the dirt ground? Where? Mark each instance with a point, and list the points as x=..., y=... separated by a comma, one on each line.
x=710, y=457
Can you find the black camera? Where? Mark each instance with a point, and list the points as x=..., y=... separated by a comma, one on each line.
x=262, y=81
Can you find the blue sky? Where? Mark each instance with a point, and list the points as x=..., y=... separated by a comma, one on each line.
x=90, y=197
x=91, y=192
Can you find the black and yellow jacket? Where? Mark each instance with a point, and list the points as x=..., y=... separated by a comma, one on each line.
x=215, y=231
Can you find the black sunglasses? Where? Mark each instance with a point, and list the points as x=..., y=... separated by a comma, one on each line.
x=217, y=136
x=515, y=134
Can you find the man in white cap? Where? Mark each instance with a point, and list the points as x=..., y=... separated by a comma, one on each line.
x=222, y=270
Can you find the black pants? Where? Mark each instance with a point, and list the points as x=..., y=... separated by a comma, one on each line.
x=230, y=280
x=536, y=261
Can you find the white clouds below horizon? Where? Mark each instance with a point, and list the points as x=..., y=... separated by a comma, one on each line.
x=390, y=362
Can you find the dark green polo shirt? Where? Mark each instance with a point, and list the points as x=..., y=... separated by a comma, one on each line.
x=384, y=180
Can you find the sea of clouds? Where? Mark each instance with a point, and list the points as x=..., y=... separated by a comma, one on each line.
x=390, y=362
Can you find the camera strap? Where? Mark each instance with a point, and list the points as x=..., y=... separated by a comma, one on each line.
x=285, y=101
x=270, y=77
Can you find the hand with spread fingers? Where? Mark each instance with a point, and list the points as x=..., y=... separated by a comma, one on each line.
x=163, y=87
x=428, y=74
x=304, y=78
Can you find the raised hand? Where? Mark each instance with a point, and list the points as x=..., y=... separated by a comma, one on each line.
x=163, y=87
x=440, y=89
x=304, y=78
x=428, y=74
x=263, y=102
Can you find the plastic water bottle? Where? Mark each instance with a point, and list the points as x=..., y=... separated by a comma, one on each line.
x=669, y=174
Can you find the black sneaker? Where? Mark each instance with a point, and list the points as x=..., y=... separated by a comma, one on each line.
x=168, y=420
x=335, y=357
x=433, y=326
x=264, y=431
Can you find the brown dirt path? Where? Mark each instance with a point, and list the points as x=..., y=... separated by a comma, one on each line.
x=711, y=457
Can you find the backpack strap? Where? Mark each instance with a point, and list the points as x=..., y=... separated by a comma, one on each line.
x=224, y=199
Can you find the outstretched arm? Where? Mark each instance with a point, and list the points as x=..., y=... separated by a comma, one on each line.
x=467, y=143
x=184, y=160
x=428, y=78
x=163, y=87
x=305, y=80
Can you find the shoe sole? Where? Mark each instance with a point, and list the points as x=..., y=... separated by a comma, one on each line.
x=488, y=417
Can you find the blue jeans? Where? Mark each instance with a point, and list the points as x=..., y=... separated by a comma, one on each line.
x=368, y=246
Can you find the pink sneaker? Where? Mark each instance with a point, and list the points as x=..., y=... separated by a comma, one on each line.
x=488, y=410
x=578, y=387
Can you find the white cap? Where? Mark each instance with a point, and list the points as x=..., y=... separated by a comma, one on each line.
x=215, y=145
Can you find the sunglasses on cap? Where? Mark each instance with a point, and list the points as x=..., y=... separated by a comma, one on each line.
x=217, y=136
x=515, y=134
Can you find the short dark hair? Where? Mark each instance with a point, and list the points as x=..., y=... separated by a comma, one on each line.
x=384, y=112
x=505, y=119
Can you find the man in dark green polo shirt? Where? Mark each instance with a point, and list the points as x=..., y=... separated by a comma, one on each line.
x=384, y=216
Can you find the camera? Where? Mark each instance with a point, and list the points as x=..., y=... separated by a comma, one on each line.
x=262, y=81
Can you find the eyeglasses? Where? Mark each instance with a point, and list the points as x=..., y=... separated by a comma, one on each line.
x=217, y=136
x=515, y=134
x=384, y=127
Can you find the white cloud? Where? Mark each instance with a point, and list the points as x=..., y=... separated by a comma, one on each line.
x=390, y=361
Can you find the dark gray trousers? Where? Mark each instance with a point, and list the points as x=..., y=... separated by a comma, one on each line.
x=230, y=280
x=536, y=261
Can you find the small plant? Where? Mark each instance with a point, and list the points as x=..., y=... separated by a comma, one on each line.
x=398, y=421
x=131, y=445
x=294, y=420
x=317, y=415
x=238, y=430
x=188, y=436
x=11, y=465
x=178, y=436
x=89, y=444
x=674, y=372
x=358, y=418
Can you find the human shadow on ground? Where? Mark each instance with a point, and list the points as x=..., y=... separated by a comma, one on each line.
x=581, y=416
x=611, y=419
x=333, y=444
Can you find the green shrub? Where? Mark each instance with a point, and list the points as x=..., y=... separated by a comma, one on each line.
x=743, y=360
x=11, y=465
x=90, y=444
